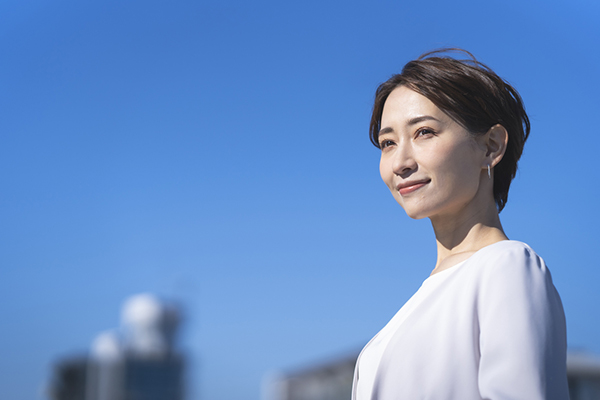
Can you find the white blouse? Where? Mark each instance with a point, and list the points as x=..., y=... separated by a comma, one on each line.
x=491, y=327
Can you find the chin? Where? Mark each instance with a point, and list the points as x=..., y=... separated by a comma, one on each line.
x=414, y=214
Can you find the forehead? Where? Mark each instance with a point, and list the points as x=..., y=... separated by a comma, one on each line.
x=404, y=104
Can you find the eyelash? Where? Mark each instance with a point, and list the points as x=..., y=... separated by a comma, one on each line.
x=384, y=143
x=420, y=132
x=425, y=131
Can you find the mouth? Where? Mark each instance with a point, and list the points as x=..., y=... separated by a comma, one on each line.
x=409, y=187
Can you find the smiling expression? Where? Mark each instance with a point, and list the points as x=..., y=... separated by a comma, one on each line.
x=430, y=163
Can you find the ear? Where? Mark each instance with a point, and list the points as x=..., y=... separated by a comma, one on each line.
x=496, y=139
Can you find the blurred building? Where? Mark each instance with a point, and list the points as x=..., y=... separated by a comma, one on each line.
x=138, y=361
x=69, y=379
x=327, y=381
x=583, y=372
x=333, y=380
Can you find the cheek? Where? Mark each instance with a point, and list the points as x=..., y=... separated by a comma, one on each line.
x=460, y=160
x=387, y=175
x=385, y=171
x=460, y=174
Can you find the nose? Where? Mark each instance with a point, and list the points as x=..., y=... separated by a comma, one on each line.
x=404, y=161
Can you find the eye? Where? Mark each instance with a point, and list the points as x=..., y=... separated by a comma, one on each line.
x=385, y=143
x=425, y=132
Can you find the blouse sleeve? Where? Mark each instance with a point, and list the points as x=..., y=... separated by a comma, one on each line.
x=522, y=330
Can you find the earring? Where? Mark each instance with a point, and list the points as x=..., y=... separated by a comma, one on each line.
x=489, y=173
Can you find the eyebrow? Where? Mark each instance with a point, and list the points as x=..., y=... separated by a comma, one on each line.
x=410, y=122
x=422, y=118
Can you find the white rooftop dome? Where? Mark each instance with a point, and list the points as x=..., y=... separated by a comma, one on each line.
x=106, y=347
x=142, y=310
x=149, y=325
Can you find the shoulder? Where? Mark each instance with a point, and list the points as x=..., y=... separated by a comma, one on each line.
x=514, y=272
x=510, y=268
x=513, y=280
x=509, y=257
x=507, y=249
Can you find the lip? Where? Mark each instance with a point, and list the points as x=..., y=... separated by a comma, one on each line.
x=410, y=186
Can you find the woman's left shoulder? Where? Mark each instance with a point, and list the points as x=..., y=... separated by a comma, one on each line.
x=509, y=252
x=509, y=261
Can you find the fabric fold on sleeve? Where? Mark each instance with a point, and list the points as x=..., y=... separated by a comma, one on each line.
x=522, y=330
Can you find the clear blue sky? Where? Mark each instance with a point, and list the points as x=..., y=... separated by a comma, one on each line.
x=217, y=153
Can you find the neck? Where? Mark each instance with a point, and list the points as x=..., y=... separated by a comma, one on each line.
x=459, y=236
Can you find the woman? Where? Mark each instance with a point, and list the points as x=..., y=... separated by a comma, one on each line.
x=488, y=322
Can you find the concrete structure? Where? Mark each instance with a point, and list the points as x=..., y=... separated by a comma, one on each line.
x=583, y=372
x=328, y=381
x=69, y=379
x=333, y=380
x=138, y=361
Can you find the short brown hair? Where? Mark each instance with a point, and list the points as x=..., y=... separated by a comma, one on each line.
x=473, y=96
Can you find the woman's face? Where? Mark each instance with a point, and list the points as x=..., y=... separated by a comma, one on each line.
x=430, y=163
